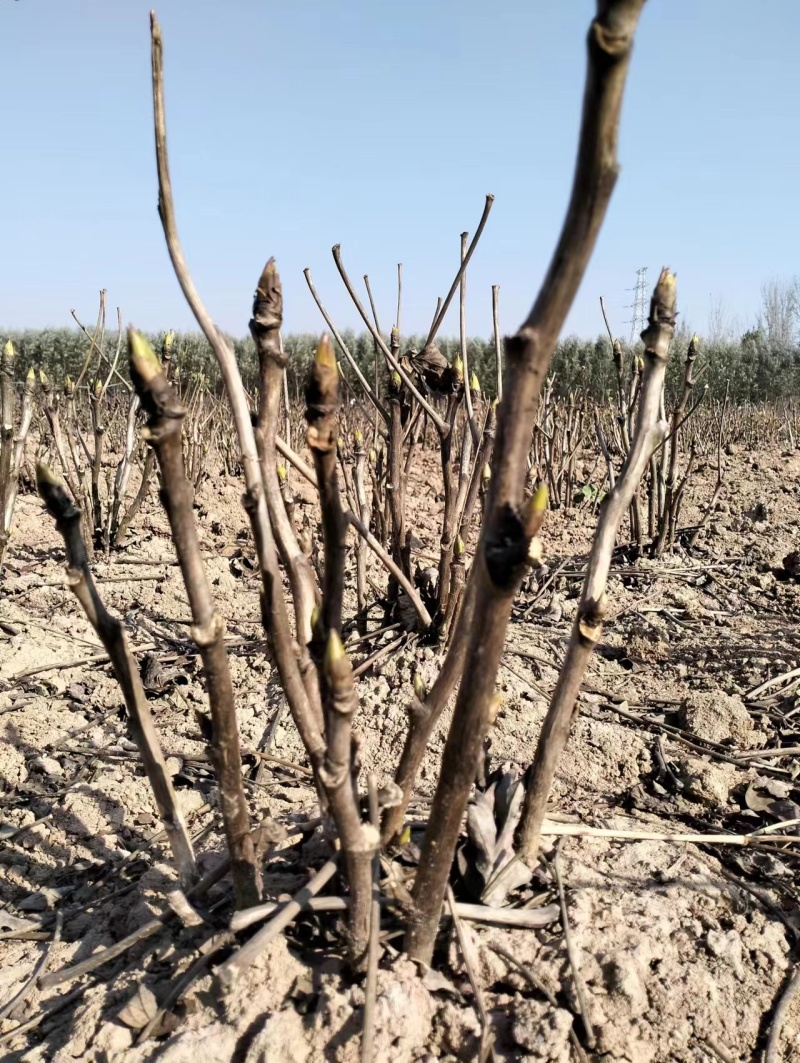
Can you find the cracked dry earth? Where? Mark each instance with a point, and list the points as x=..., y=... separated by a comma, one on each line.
x=683, y=950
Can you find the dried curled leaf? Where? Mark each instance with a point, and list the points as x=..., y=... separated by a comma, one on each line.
x=44, y=898
x=492, y=819
x=140, y=1009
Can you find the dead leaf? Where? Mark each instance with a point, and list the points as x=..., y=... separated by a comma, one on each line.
x=43, y=899
x=784, y=810
x=755, y=800
x=13, y=922
x=435, y=982
x=140, y=1009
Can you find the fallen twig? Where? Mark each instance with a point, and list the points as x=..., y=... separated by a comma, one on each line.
x=208, y=951
x=569, y=830
x=58, y=1004
x=572, y=954
x=99, y=959
x=519, y=918
x=782, y=1010
x=467, y=953
x=40, y=969
x=240, y=961
x=373, y=954
x=537, y=983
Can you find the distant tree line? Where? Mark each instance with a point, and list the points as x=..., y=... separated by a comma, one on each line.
x=763, y=363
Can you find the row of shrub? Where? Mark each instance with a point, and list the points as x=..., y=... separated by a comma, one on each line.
x=754, y=368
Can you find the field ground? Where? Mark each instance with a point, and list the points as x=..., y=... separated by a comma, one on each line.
x=683, y=949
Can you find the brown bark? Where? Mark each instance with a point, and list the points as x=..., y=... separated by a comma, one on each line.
x=8, y=400
x=273, y=605
x=163, y=432
x=322, y=398
x=503, y=548
x=649, y=431
x=339, y=698
x=265, y=327
x=112, y=634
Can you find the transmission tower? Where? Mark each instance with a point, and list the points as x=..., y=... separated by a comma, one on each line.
x=639, y=305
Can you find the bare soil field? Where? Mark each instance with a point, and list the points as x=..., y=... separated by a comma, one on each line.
x=681, y=950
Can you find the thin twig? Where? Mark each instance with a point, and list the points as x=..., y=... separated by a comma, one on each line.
x=178, y=989
x=373, y=955
x=247, y=954
x=467, y=953
x=572, y=952
x=538, y=984
x=570, y=830
x=515, y=918
x=778, y=1019
x=38, y=972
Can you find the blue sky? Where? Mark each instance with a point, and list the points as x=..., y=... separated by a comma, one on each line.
x=297, y=125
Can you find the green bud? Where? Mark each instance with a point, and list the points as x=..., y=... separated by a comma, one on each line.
x=334, y=650
x=143, y=359
x=45, y=475
x=324, y=356
x=535, y=509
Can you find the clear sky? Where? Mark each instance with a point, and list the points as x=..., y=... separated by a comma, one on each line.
x=296, y=125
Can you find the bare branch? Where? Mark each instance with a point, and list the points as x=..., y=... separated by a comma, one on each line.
x=509, y=527
x=588, y=625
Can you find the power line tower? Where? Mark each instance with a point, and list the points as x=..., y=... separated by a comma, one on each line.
x=639, y=305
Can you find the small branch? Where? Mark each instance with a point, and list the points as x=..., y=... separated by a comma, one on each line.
x=442, y=309
x=588, y=626
x=163, y=432
x=514, y=918
x=391, y=567
x=147, y=930
x=229, y=972
x=576, y=830
x=510, y=522
x=322, y=398
x=265, y=326
x=498, y=344
x=112, y=635
x=274, y=609
x=396, y=366
x=773, y=1053
x=371, y=395
x=572, y=953
x=371, y=987
x=470, y=962
x=538, y=984
x=424, y=713
x=39, y=971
